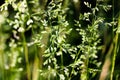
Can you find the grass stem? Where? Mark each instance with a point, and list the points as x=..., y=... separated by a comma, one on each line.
x=26, y=57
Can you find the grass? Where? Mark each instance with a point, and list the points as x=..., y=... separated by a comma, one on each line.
x=37, y=41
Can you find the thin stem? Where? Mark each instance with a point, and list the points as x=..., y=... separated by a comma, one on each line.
x=115, y=42
x=2, y=63
x=61, y=59
x=26, y=48
x=114, y=57
x=74, y=62
x=87, y=62
x=115, y=53
x=26, y=57
x=36, y=62
x=2, y=55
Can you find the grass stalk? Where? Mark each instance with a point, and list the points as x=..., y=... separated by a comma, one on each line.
x=36, y=64
x=114, y=57
x=2, y=55
x=26, y=57
x=115, y=51
x=61, y=59
x=2, y=64
x=74, y=62
x=115, y=44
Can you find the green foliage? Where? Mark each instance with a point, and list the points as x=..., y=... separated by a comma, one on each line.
x=35, y=45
